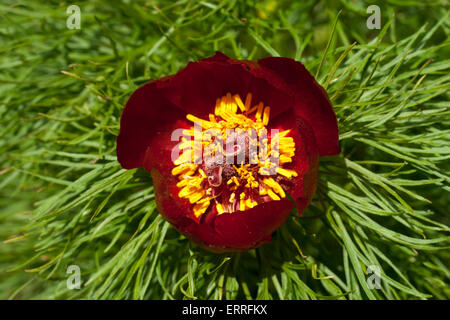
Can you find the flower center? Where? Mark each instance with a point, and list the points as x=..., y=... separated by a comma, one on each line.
x=231, y=161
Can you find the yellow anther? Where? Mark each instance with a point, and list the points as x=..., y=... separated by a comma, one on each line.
x=250, y=203
x=196, y=196
x=185, y=145
x=275, y=186
x=196, y=182
x=188, y=132
x=185, y=157
x=219, y=208
x=217, y=108
x=186, y=192
x=286, y=172
x=287, y=145
x=272, y=195
x=286, y=139
x=182, y=168
x=242, y=205
x=228, y=98
x=212, y=119
x=284, y=133
x=238, y=100
x=259, y=111
x=285, y=159
x=203, y=123
x=248, y=101
x=182, y=183
x=201, y=207
x=233, y=108
x=262, y=191
x=222, y=106
x=266, y=116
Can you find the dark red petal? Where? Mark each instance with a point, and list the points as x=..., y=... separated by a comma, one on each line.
x=227, y=232
x=196, y=88
x=239, y=230
x=158, y=161
x=248, y=229
x=311, y=100
x=146, y=113
x=268, y=88
x=169, y=204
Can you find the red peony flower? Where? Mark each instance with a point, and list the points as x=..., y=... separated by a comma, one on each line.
x=225, y=141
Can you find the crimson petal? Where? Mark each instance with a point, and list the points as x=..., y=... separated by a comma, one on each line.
x=311, y=100
x=146, y=113
x=228, y=232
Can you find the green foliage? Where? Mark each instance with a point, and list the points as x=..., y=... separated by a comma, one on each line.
x=65, y=200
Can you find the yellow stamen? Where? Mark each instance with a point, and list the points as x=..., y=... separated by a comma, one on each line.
x=286, y=172
x=219, y=208
x=259, y=111
x=250, y=203
x=231, y=112
x=284, y=159
x=201, y=207
x=248, y=101
x=187, y=191
x=185, y=145
x=272, y=195
x=284, y=133
x=196, y=196
x=266, y=116
x=275, y=186
x=238, y=100
x=182, y=183
x=182, y=168
x=242, y=205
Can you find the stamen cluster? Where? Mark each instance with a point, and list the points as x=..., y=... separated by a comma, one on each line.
x=230, y=161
